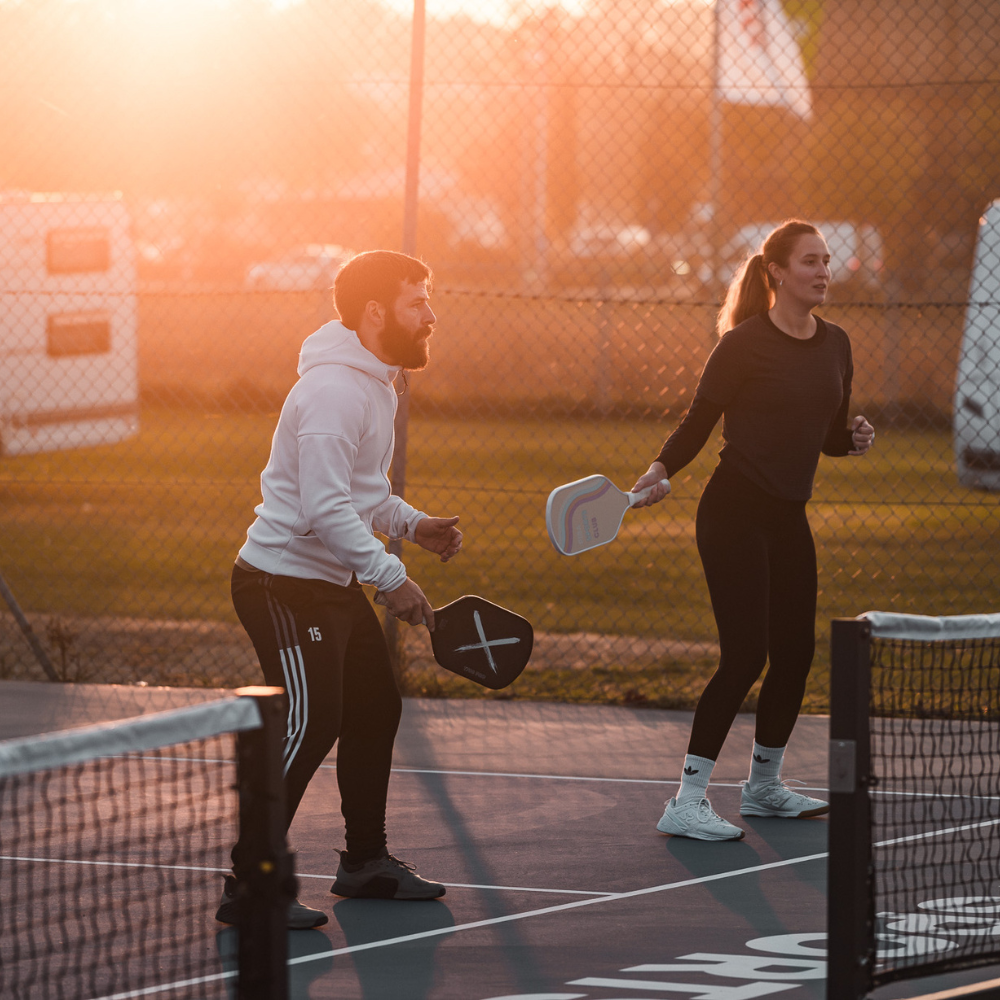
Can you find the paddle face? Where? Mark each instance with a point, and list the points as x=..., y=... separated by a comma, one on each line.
x=584, y=514
x=481, y=641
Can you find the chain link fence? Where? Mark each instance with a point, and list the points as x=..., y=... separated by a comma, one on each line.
x=180, y=180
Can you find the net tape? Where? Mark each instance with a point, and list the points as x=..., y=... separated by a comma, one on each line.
x=926, y=628
x=109, y=739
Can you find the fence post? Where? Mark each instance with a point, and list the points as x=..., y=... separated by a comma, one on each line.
x=22, y=623
x=850, y=921
x=270, y=878
x=411, y=199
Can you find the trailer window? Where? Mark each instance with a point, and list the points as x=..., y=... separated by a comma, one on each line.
x=78, y=333
x=74, y=251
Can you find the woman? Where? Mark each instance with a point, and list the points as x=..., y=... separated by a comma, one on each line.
x=782, y=377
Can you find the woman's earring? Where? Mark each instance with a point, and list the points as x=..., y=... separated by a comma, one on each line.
x=780, y=283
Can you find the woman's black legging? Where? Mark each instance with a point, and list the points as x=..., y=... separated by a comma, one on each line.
x=760, y=564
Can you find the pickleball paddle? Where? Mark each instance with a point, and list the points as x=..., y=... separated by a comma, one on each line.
x=480, y=641
x=588, y=512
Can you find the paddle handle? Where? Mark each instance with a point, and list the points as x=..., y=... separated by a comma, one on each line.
x=634, y=498
x=379, y=599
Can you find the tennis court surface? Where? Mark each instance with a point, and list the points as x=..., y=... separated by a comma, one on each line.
x=540, y=819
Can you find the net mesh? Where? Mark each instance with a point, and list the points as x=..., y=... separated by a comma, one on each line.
x=109, y=871
x=935, y=802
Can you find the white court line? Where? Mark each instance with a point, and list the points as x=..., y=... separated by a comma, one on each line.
x=566, y=777
x=225, y=871
x=164, y=987
x=622, y=781
x=115, y=864
x=663, y=781
x=937, y=833
x=498, y=888
x=559, y=908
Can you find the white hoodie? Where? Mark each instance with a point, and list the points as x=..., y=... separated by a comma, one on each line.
x=326, y=486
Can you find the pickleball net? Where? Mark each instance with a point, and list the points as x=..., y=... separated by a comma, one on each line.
x=113, y=841
x=915, y=799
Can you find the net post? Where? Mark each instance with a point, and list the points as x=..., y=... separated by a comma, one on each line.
x=270, y=878
x=850, y=921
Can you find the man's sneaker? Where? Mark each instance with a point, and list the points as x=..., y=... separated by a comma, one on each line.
x=777, y=799
x=384, y=877
x=300, y=916
x=698, y=820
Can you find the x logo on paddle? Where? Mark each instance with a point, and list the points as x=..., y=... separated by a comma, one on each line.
x=484, y=643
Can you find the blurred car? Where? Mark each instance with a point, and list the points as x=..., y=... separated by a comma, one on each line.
x=856, y=251
x=609, y=240
x=305, y=268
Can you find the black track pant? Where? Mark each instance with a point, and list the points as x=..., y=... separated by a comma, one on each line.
x=323, y=643
x=760, y=564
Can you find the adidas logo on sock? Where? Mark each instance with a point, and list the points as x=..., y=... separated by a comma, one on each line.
x=761, y=760
x=690, y=770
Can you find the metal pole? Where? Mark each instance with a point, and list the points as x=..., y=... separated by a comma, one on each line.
x=540, y=159
x=715, y=154
x=269, y=883
x=850, y=921
x=412, y=187
x=411, y=197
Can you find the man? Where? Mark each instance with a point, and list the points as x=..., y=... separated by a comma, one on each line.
x=297, y=581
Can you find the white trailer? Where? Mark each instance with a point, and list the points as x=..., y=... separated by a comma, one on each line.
x=977, y=392
x=68, y=323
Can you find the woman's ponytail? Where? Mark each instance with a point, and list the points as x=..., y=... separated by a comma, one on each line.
x=749, y=293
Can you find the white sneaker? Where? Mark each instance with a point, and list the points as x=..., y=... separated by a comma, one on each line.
x=698, y=820
x=777, y=799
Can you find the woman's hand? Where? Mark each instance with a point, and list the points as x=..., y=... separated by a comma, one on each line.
x=652, y=477
x=862, y=434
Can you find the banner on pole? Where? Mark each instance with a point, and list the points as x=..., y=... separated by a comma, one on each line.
x=760, y=61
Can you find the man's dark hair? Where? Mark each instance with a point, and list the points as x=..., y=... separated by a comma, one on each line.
x=376, y=275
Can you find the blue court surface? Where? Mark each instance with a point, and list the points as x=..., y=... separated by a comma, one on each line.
x=540, y=818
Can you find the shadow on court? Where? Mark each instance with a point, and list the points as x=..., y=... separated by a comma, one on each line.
x=510, y=937
x=381, y=971
x=300, y=944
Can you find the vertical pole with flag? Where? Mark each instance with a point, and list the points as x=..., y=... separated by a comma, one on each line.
x=410, y=204
x=756, y=60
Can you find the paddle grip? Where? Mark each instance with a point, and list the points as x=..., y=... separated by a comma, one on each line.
x=379, y=598
x=634, y=498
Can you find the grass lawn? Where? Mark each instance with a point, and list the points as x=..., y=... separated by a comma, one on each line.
x=147, y=529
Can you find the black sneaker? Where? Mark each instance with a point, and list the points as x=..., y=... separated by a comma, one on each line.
x=384, y=877
x=300, y=917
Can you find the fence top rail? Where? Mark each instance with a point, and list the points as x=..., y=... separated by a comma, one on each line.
x=147, y=732
x=926, y=628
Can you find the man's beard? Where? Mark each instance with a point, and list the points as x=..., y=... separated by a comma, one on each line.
x=408, y=350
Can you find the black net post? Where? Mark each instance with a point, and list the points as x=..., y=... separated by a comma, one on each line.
x=269, y=886
x=850, y=921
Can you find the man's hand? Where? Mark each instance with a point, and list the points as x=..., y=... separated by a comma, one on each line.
x=408, y=604
x=862, y=434
x=656, y=472
x=440, y=535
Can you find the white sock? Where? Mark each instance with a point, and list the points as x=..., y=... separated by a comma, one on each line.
x=765, y=765
x=694, y=780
